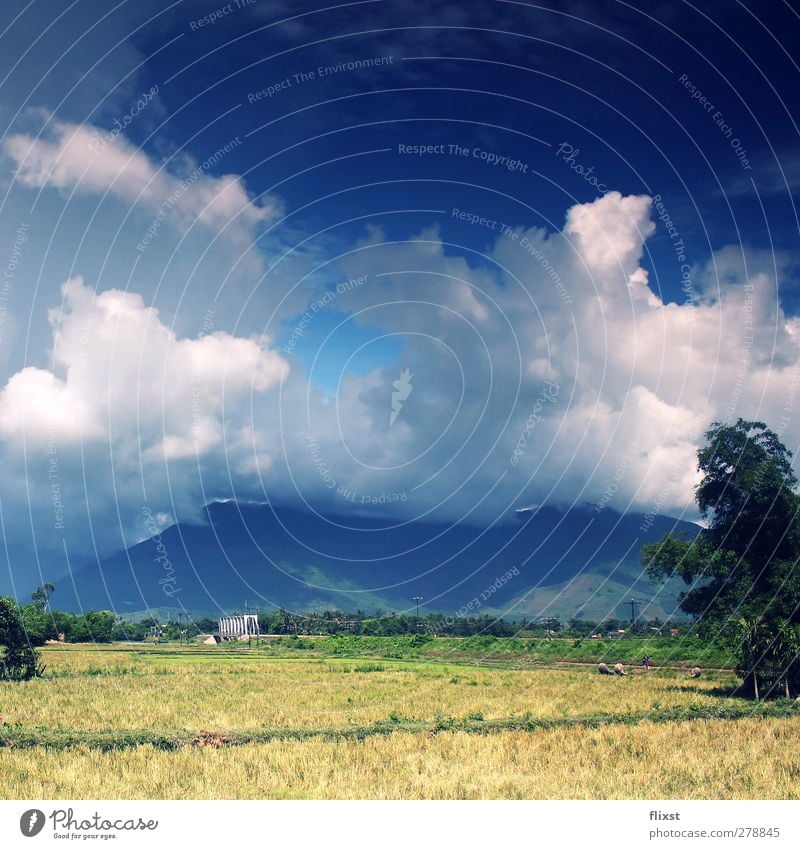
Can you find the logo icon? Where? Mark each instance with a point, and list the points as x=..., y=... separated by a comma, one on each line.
x=31, y=822
x=402, y=389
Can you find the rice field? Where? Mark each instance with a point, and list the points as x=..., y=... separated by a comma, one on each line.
x=744, y=759
x=148, y=723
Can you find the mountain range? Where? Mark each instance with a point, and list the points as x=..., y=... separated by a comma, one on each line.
x=551, y=562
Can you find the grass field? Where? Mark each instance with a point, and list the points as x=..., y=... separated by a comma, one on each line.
x=288, y=722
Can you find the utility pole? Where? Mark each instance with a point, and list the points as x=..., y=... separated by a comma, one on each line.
x=549, y=623
x=633, y=604
x=417, y=599
x=247, y=627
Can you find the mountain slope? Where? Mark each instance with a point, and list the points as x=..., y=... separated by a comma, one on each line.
x=301, y=561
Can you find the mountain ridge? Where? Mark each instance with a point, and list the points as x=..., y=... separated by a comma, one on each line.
x=282, y=557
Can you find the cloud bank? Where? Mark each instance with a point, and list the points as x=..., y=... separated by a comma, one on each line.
x=545, y=370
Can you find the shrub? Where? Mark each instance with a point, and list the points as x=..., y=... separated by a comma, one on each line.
x=19, y=661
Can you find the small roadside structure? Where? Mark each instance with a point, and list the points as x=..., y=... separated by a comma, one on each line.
x=239, y=627
x=206, y=639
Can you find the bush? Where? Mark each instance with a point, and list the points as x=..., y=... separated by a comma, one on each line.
x=20, y=664
x=37, y=624
x=19, y=661
x=480, y=643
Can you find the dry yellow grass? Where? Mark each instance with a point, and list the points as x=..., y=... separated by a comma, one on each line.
x=154, y=692
x=740, y=759
x=116, y=690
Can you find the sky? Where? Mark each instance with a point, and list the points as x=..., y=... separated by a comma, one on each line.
x=421, y=261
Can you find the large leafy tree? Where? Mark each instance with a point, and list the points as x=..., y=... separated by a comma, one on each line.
x=19, y=661
x=41, y=595
x=743, y=569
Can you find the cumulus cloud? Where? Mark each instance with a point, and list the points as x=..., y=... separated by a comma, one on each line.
x=639, y=380
x=88, y=160
x=128, y=407
x=610, y=232
x=544, y=371
x=120, y=363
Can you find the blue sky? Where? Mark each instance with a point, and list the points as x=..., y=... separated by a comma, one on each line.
x=598, y=196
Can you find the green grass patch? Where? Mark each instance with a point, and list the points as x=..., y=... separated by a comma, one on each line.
x=109, y=740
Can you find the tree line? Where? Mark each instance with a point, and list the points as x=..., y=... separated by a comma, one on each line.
x=40, y=623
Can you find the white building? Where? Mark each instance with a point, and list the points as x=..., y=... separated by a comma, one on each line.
x=238, y=627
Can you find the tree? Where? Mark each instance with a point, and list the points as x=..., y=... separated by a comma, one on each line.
x=100, y=625
x=41, y=595
x=743, y=569
x=38, y=624
x=19, y=660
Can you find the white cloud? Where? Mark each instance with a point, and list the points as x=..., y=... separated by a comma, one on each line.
x=128, y=402
x=610, y=233
x=480, y=434
x=120, y=363
x=88, y=160
x=639, y=380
